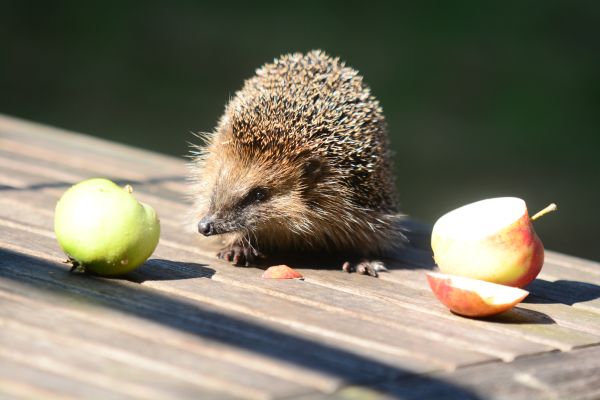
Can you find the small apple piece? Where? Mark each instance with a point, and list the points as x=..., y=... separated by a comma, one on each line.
x=491, y=240
x=472, y=297
x=103, y=229
x=281, y=272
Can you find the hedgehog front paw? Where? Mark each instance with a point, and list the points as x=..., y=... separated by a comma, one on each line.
x=239, y=255
x=365, y=267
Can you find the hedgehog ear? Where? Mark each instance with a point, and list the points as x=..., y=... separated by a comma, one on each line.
x=313, y=169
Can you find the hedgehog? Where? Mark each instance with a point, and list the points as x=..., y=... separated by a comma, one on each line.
x=299, y=163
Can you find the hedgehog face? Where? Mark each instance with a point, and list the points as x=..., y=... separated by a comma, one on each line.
x=251, y=198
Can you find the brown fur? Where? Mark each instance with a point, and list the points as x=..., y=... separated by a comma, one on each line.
x=309, y=131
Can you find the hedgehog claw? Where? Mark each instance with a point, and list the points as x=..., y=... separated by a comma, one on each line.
x=365, y=267
x=239, y=255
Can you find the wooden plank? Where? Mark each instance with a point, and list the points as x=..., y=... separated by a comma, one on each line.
x=460, y=331
x=20, y=380
x=551, y=297
x=143, y=358
x=531, y=325
x=38, y=211
x=572, y=262
x=439, y=330
x=404, y=321
x=574, y=375
x=552, y=272
x=579, y=294
x=79, y=153
x=172, y=212
x=508, y=348
x=325, y=309
x=520, y=322
x=67, y=158
x=174, y=208
x=377, y=311
x=566, y=316
x=554, y=269
x=327, y=356
x=535, y=329
x=45, y=180
x=386, y=340
x=99, y=366
x=45, y=143
x=383, y=314
x=94, y=323
x=396, y=346
x=60, y=141
x=171, y=187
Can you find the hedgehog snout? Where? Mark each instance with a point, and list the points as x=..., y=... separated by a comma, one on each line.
x=213, y=224
x=206, y=226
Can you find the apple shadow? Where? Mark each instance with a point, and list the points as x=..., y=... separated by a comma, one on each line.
x=156, y=269
x=562, y=291
x=520, y=316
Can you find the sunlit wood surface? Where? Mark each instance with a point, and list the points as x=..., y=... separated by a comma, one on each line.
x=188, y=326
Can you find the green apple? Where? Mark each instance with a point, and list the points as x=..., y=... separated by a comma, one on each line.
x=103, y=229
x=491, y=240
x=472, y=297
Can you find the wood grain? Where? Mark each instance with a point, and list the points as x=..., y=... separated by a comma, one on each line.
x=574, y=375
x=186, y=325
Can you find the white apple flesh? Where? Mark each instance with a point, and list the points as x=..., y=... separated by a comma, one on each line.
x=491, y=240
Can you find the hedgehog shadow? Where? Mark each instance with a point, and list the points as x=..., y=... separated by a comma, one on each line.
x=415, y=254
x=408, y=258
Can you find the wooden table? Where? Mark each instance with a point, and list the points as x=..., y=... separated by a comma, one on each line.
x=186, y=325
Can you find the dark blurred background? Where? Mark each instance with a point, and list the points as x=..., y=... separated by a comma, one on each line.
x=482, y=98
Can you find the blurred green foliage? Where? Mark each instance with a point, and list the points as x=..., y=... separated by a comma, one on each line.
x=482, y=98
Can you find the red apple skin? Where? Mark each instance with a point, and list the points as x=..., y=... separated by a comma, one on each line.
x=532, y=261
x=512, y=257
x=281, y=272
x=466, y=302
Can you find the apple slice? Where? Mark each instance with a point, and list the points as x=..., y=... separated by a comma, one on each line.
x=281, y=272
x=472, y=297
x=492, y=240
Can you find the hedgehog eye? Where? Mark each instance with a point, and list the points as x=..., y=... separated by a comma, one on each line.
x=256, y=195
x=259, y=194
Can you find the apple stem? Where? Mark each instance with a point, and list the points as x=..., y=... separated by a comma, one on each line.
x=551, y=207
x=128, y=189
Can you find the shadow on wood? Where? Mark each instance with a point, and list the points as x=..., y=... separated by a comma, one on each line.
x=562, y=291
x=164, y=270
x=519, y=316
x=45, y=278
x=416, y=254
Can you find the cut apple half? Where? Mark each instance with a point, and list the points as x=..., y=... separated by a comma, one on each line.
x=473, y=297
x=492, y=240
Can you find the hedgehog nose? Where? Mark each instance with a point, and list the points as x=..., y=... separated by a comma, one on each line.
x=206, y=226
